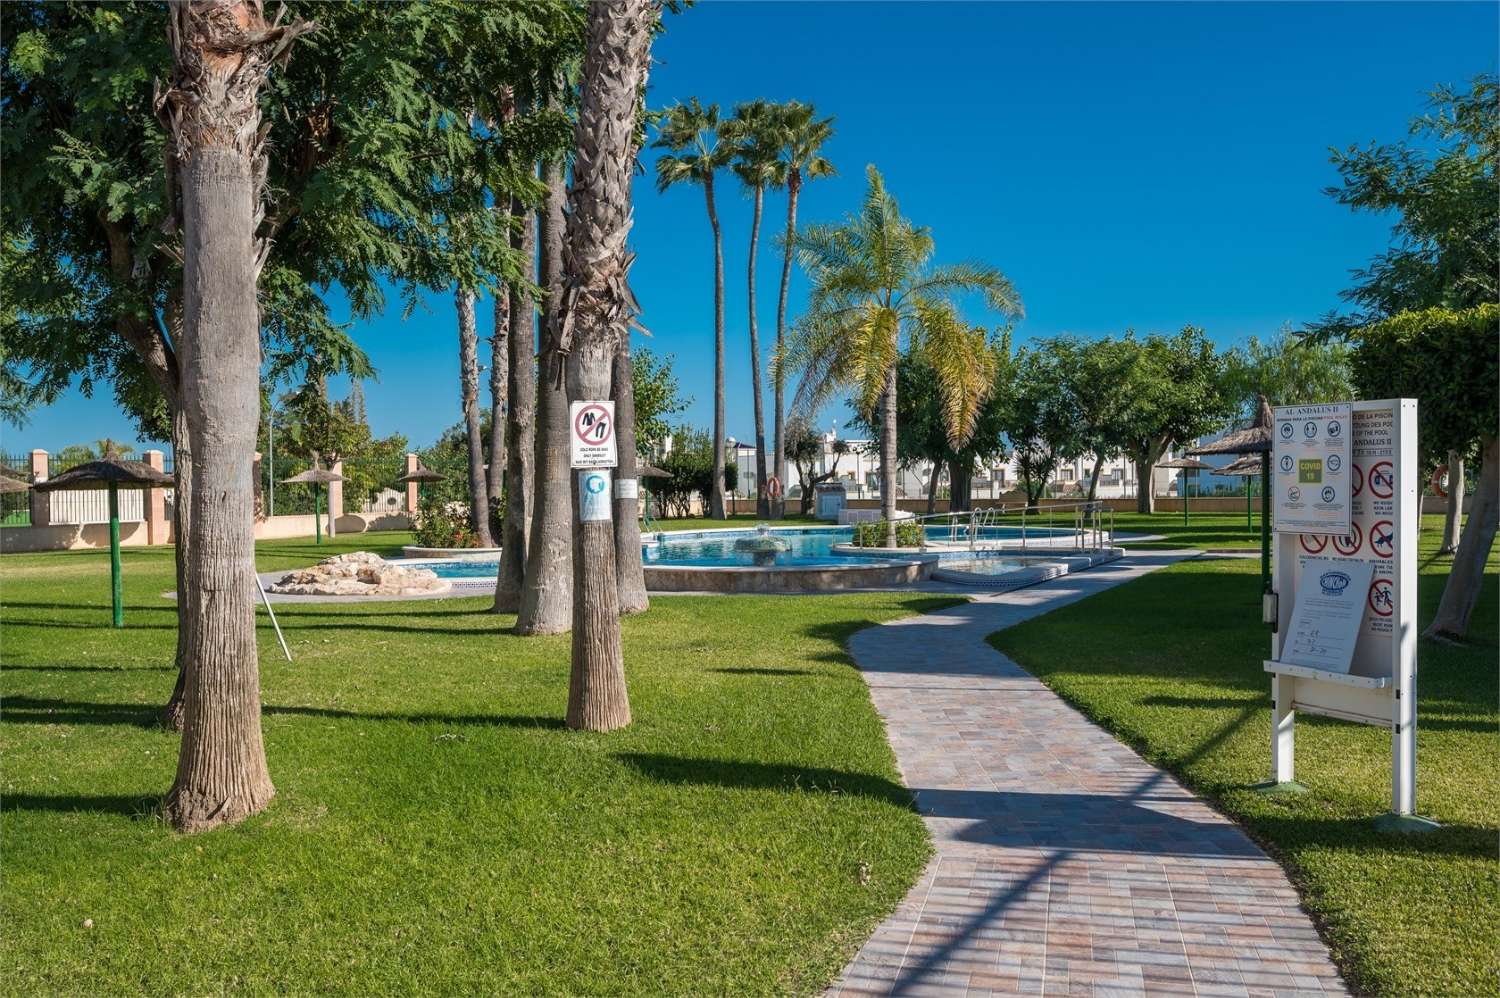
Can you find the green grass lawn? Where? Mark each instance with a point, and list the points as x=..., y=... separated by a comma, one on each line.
x=1217, y=531
x=1172, y=664
x=436, y=828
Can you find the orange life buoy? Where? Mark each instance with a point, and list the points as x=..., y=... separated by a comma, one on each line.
x=773, y=487
x=1439, y=479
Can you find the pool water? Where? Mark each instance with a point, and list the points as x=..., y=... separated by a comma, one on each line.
x=985, y=566
x=810, y=546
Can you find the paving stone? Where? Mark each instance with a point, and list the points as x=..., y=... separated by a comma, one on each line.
x=1066, y=864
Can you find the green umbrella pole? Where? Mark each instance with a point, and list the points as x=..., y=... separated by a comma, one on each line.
x=317, y=513
x=116, y=588
x=1265, y=524
x=1249, y=491
x=1184, y=498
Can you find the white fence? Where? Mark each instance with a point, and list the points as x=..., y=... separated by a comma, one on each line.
x=92, y=506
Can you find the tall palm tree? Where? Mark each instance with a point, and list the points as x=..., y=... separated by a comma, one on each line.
x=596, y=311
x=691, y=131
x=755, y=132
x=872, y=286
x=802, y=135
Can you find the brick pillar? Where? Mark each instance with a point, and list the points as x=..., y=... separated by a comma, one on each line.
x=41, y=502
x=335, y=499
x=155, y=503
x=411, y=487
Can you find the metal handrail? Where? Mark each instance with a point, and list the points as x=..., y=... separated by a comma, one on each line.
x=1087, y=522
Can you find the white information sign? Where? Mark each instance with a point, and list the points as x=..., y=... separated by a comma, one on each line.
x=1313, y=472
x=592, y=434
x=1378, y=551
x=1326, y=618
x=627, y=488
x=594, y=503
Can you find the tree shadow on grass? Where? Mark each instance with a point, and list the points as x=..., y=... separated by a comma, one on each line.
x=734, y=774
x=8, y=667
x=748, y=671
x=38, y=710
x=139, y=807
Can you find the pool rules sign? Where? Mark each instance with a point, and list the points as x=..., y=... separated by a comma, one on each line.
x=1372, y=455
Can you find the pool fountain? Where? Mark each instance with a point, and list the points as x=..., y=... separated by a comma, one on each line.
x=763, y=546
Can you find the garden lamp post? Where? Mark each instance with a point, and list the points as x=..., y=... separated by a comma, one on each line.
x=317, y=478
x=112, y=474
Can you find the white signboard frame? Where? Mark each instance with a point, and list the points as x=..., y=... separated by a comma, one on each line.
x=1380, y=686
x=1312, y=468
x=591, y=434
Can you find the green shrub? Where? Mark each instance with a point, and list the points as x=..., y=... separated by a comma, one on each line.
x=909, y=534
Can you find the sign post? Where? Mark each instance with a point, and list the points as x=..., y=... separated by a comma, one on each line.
x=1345, y=572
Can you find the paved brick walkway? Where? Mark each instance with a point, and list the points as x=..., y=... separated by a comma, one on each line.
x=1065, y=864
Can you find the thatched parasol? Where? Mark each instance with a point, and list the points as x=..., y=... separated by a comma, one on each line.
x=1187, y=464
x=421, y=473
x=651, y=471
x=9, y=484
x=1247, y=467
x=113, y=474
x=317, y=478
x=1253, y=439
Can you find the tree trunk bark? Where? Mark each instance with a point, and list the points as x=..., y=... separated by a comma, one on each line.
x=519, y=429
x=1466, y=577
x=547, y=591
x=762, y=502
x=468, y=377
x=630, y=574
x=618, y=44
x=221, y=771
x=960, y=479
x=716, y=481
x=222, y=50
x=182, y=492
x=1145, y=476
x=932, y=490
x=888, y=457
x=1454, y=518
x=793, y=188
x=1094, y=479
x=499, y=365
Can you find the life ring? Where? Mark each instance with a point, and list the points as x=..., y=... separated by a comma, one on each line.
x=773, y=487
x=1439, y=477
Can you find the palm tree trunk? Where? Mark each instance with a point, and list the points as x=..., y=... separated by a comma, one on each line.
x=888, y=457
x=1454, y=518
x=618, y=44
x=1466, y=577
x=547, y=591
x=762, y=505
x=793, y=187
x=468, y=380
x=716, y=481
x=519, y=441
x=213, y=113
x=172, y=716
x=499, y=365
x=630, y=574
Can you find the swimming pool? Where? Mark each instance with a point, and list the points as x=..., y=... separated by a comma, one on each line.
x=807, y=547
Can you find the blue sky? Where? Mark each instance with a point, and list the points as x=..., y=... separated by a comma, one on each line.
x=1126, y=165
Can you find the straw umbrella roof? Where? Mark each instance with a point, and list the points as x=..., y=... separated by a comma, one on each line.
x=6, y=471
x=422, y=473
x=1253, y=439
x=651, y=471
x=8, y=484
x=1247, y=466
x=1186, y=463
x=103, y=473
x=313, y=476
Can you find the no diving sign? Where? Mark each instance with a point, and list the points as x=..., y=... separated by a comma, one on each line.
x=593, y=434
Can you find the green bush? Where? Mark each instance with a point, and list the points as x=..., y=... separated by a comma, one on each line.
x=909, y=534
x=442, y=521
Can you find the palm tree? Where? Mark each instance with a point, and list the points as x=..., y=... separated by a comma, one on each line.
x=754, y=130
x=597, y=309
x=691, y=131
x=872, y=285
x=802, y=135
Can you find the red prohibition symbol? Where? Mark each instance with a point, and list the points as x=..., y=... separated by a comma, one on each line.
x=1382, y=480
x=1359, y=480
x=1349, y=545
x=592, y=425
x=1383, y=539
x=1312, y=543
x=1380, y=599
